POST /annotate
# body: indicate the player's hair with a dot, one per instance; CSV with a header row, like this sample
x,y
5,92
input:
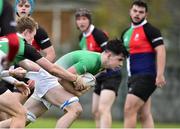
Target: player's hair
x,y
140,3
116,47
24,23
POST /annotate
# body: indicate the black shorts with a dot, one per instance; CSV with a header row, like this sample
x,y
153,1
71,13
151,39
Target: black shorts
x,y
142,86
4,86
110,80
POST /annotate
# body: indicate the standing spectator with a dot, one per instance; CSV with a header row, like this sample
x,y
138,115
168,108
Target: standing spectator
x,y
108,82
145,66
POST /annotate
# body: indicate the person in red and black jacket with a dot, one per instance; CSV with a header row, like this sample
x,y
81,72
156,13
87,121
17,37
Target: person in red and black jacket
x,y
108,81
91,38
41,40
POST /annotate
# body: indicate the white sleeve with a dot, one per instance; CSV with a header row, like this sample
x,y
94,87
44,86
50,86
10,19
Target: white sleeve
x,y
4,73
9,79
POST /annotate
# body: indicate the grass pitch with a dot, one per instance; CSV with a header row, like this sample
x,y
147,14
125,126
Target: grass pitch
x,y
51,122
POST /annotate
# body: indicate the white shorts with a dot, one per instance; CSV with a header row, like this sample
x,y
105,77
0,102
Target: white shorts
x,y
46,103
44,81
2,55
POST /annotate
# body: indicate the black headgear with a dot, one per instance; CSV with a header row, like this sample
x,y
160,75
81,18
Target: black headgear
x,y
83,12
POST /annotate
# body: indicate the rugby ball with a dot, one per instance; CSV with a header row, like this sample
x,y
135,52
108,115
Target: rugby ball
x,y
89,79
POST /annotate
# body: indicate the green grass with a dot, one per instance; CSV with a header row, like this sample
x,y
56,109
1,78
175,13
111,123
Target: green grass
x,y
51,122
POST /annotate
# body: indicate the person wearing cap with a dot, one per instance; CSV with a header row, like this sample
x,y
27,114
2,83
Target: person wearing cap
x,y
108,82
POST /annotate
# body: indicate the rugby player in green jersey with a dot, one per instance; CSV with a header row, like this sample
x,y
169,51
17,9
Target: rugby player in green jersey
x,y
48,92
82,61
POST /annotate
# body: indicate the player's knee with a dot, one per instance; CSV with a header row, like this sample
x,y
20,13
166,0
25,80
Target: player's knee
x,y
144,115
30,117
95,113
72,106
103,109
77,110
128,109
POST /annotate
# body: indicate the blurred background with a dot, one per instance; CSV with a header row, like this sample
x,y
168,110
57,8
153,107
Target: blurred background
x,y
57,17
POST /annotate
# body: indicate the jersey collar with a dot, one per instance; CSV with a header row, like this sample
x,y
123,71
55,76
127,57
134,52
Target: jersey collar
x,y
136,26
20,35
91,28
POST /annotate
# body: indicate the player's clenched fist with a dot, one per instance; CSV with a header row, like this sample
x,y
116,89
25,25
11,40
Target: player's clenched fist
x,y
18,72
79,83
